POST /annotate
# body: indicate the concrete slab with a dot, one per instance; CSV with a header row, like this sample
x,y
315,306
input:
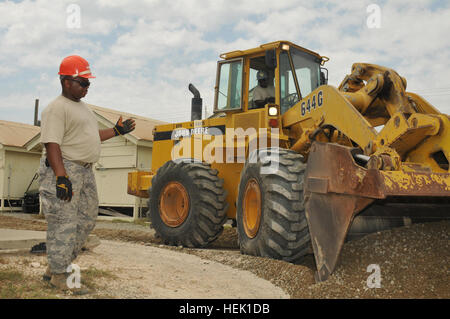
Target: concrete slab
x,y
20,239
14,239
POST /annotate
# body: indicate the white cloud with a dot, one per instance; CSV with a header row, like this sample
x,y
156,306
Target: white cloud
x,y
142,96
148,41
34,35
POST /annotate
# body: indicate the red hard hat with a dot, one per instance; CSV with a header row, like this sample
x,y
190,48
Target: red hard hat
x,y
75,65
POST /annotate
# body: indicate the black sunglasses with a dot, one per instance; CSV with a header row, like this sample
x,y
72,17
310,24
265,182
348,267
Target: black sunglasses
x,y
83,84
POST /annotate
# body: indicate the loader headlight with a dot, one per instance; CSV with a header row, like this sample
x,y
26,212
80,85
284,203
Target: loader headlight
x,y
273,111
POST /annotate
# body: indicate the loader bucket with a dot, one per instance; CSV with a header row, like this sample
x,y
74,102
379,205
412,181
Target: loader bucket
x,y
337,189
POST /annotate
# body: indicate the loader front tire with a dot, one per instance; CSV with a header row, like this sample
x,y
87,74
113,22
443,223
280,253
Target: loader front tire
x,y
187,204
271,218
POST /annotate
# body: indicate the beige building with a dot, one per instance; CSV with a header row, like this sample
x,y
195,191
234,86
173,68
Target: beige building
x,y
119,155
17,164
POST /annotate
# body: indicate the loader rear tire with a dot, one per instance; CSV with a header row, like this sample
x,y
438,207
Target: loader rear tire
x,y
280,229
187,204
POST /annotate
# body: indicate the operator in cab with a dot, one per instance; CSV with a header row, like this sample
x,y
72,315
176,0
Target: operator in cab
x,y
264,92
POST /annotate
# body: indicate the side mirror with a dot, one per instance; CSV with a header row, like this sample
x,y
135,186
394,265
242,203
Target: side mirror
x,y
271,59
323,76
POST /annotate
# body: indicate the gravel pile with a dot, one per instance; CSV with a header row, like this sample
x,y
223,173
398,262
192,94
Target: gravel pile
x,y
413,261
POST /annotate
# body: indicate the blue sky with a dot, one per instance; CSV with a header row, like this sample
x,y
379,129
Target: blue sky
x,y
145,53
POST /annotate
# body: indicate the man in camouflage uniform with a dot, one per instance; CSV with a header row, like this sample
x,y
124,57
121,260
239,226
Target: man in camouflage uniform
x,y
68,192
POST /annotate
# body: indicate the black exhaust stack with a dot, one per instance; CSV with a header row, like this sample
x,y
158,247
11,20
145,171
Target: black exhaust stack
x,y
196,105
36,113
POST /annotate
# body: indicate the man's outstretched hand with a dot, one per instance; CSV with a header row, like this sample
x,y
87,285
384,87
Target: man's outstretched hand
x,y
124,127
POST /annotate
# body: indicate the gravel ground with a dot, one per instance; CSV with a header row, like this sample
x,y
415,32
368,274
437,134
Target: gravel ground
x,y
413,261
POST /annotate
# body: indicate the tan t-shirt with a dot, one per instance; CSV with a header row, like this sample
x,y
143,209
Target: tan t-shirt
x,y
260,93
74,127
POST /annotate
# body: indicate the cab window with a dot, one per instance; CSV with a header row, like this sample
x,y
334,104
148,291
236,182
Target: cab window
x,y
288,92
307,69
229,86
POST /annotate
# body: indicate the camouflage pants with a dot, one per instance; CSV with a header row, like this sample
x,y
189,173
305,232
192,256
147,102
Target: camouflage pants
x,y
68,223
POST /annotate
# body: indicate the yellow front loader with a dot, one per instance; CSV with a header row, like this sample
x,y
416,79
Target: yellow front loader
x,y
314,166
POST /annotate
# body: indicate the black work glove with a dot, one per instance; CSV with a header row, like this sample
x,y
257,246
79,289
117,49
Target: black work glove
x,y
64,188
125,127
259,103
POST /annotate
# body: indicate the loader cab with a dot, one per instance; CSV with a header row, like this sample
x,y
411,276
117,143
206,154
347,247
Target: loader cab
x,y
237,80
293,73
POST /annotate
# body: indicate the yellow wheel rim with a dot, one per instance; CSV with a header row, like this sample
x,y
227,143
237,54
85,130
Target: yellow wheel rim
x,y
252,208
174,204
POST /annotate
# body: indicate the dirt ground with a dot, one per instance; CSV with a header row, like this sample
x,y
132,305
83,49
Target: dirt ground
x,y
413,262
